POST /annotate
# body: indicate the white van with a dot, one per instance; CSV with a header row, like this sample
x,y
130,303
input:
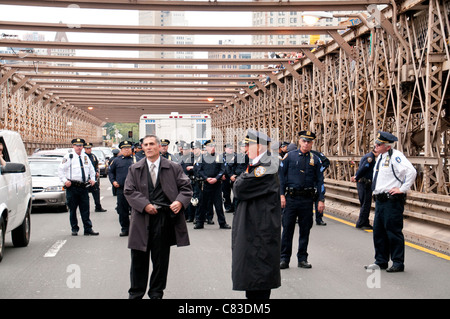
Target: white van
x,y
15,191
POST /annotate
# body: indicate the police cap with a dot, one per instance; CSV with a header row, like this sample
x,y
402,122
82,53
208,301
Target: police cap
x,y
165,142
210,143
307,135
88,145
257,137
284,144
385,138
78,141
125,144
196,144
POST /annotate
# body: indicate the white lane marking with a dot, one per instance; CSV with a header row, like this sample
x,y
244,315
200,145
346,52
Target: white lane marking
x,y
55,248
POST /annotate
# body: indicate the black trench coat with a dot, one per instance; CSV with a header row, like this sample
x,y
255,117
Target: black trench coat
x,y
256,231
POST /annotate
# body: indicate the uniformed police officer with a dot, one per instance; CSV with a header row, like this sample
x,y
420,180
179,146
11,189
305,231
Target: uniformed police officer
x,y
117,174
77,172
229,162
392,178
164,149
138,153
196,181
282,149
211,170
94,190
186,160
301,182
325,164
363,179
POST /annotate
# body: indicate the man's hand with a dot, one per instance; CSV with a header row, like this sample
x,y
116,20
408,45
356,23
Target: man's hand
x,y
150,209
283,201
176,206
115,184
395,190
320,206
211,180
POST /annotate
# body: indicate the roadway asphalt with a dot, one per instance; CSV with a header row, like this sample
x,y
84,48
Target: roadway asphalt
x,y
57,265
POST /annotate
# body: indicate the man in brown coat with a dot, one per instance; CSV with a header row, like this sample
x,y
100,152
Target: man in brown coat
x,y
158,192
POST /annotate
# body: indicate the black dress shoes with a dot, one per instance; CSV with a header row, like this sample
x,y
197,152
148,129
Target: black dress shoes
x,y
304,264
123,234
396,269
284,264
225,226
198,226
90,232
100,210
321,223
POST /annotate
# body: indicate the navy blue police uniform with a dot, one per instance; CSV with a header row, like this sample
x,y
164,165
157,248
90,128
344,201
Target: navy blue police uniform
x,y
118,173
363,178
325,164
186,161
212,166
95,190
229,161
302,183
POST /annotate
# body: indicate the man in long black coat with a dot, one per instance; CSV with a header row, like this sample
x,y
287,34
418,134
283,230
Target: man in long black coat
x,y
256,227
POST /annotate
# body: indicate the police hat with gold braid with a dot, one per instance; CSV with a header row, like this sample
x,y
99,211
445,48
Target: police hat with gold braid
x,y
385,138
78,141
165,142
257,137
307,135
88,145
125,144
210,143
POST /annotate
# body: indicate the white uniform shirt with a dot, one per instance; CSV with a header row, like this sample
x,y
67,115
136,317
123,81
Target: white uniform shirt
x,y
70,168
386,179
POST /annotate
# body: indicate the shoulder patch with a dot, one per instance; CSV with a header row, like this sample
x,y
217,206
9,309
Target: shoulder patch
x,y
369,159
398,159
259,171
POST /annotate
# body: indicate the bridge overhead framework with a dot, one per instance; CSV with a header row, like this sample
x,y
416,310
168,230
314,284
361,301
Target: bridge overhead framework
x,y
390,72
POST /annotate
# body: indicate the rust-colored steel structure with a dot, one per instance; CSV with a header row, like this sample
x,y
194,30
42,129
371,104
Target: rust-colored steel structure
x,y
390,72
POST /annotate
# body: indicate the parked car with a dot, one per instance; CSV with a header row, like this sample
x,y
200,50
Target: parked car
x,y
15,191
48,190
51,153
108,151
102,162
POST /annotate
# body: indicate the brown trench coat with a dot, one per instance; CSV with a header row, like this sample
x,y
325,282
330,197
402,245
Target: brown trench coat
x,y
175,185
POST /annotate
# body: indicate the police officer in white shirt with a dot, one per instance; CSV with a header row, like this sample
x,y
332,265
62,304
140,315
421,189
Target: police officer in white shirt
x,y
74,172
392,178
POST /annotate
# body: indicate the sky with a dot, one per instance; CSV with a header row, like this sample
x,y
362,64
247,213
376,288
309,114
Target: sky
x,y
74,16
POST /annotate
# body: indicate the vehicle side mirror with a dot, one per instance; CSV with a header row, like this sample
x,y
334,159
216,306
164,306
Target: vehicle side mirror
x,y
12,168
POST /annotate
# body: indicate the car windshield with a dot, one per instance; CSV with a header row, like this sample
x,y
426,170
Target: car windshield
x,y
43,168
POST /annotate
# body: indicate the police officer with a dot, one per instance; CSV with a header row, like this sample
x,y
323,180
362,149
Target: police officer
x,y
164,149
94,190
229,162
197,182
77,172
301,182
363,179
186,160
392,178
325,164
117,174
282,150
211,170
138,153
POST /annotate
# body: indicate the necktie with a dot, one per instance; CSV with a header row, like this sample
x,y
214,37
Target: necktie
x,y
374,182
82,170
153,174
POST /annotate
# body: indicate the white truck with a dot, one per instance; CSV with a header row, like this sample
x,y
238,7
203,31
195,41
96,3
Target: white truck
x,y
15,191
176,127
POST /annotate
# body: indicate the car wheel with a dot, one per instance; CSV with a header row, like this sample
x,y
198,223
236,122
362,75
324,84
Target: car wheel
x,y
21,235
2,237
